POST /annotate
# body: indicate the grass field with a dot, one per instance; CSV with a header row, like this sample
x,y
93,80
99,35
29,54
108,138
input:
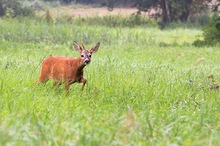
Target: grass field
x,y
145,87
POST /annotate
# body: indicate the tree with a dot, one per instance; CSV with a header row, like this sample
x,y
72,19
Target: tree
x,y
171,10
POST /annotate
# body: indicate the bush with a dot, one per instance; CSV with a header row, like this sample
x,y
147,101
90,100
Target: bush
x,y
14,8
211,33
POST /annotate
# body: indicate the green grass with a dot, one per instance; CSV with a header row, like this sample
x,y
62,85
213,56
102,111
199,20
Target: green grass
x,y
145,87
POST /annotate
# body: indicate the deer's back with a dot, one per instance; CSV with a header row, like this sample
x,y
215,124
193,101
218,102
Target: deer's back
x,y
62,68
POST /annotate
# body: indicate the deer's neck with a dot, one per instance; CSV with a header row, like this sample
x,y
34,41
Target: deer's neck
x,y
80,64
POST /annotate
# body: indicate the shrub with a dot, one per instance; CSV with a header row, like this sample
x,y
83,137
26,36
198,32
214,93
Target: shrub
x,y
14,8
211,33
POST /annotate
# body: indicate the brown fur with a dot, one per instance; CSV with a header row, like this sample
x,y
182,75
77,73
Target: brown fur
x,y
67,70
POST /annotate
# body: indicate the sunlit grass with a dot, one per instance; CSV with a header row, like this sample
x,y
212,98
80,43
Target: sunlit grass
x,y
145,87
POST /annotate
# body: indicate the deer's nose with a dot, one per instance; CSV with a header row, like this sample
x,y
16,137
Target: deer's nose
x,y
87,61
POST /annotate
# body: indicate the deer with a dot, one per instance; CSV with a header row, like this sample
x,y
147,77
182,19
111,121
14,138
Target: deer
x,y
67,70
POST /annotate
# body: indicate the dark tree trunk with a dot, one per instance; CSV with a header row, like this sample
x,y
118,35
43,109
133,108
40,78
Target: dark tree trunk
x,y
186,10
170,11
2,11
165,17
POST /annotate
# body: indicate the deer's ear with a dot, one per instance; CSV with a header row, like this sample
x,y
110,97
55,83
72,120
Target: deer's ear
x,y
95,49
77,47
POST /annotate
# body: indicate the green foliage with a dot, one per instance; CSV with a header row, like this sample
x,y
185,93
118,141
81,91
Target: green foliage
x,y
211,33
62,31
14,8
114,21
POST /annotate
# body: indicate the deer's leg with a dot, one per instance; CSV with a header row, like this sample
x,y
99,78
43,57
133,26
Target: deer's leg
x,y
68,83
82,80
71,82
43,75
67,86
56,84
41,80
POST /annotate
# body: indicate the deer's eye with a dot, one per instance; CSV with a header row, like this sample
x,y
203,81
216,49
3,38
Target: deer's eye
x,y
89,56
82,55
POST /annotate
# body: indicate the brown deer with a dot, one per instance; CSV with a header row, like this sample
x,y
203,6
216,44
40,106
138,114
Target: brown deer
x,y
67,70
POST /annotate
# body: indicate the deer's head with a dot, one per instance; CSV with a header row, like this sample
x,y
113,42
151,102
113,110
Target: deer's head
x,y
86,54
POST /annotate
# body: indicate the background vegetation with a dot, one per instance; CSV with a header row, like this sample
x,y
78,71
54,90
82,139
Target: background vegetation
x,y
146,85
165,12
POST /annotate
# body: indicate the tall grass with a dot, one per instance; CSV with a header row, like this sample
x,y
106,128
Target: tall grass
x,y
145,87
37,31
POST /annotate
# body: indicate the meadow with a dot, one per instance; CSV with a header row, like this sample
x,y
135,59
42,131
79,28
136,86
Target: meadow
x,y
145,86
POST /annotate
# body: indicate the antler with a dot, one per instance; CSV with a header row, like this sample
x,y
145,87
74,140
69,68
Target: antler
x,y
83,46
